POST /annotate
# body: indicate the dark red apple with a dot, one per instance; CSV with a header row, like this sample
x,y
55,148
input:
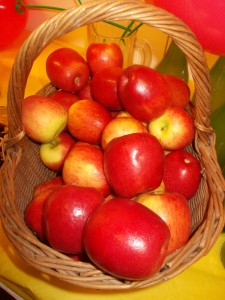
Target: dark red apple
x,y
143,92
85,92
65,214
103,55
65,98
180,91
104,87
126,239
67,69
34,212
134,164
83,166
173,208
182,173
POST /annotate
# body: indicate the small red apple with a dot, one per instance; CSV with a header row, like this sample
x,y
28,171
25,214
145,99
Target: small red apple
x,y
64,98
34,211
134,164
182,173
53,153
83,166
86,120
173,208
126,239
49,184
174,128
67,69
120,126
103,55
180,91
104,87
85,92
43,118
65,214
143,92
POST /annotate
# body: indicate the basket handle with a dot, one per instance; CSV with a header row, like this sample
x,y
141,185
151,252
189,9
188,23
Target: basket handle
x,y
95,11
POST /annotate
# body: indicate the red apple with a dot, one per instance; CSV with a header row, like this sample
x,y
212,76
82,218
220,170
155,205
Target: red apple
x,y
53,153
175,211
43,118
182,173
67,69
134,164
79,257
180,91
174,128
125,239
86,120
143,92
65,98
34,211
104,87
120,126
49,184
85,92
65,214
103,55
83,166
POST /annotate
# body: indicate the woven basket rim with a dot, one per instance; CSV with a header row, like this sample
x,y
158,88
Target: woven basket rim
x,y
50,261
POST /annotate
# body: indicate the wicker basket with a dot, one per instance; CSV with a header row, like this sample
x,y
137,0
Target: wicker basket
x,y
22,168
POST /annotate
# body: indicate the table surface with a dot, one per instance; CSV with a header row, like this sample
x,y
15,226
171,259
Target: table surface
x,y
203,280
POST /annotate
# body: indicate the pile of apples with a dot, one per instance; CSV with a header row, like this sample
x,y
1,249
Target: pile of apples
x,y
116,138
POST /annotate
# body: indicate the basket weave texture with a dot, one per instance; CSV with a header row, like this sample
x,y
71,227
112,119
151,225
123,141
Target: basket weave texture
x,y
22,168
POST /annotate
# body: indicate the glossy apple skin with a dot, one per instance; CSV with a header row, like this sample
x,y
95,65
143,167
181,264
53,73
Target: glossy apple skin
x,y
134,164
87,119
174,128
65,214
83,166
180,91
53,154
67,69
143,92
182,173
46,185
120,126
121,238
43,118
104,87
103,55
65,98
173,208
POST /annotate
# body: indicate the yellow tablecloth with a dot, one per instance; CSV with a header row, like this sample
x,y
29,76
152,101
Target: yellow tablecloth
x,y
203,280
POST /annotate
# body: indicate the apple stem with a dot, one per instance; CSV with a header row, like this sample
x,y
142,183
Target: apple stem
x,y
19,4
187,161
